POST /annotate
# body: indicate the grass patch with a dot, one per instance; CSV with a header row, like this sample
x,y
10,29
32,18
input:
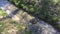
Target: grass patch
x,y
9,25
3,13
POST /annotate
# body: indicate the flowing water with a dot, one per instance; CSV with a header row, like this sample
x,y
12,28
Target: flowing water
x,y
42,26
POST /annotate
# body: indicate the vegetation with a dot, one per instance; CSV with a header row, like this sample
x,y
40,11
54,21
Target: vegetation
x,y
9,26
45,9
48,10
3,13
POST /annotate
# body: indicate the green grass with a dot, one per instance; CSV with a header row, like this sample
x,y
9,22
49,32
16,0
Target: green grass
x,y
3,13
6,25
